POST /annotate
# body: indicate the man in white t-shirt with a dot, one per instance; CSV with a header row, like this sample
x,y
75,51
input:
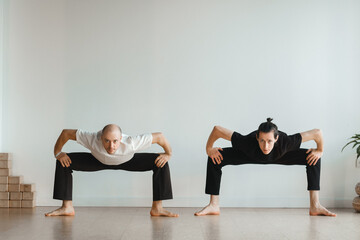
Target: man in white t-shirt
x,y
111,149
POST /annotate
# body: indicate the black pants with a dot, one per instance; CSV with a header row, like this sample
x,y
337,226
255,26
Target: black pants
x,y
232,157
86,162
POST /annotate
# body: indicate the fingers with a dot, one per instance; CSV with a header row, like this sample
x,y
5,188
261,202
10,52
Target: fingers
x,y
215,155
219,154
62,163
310,155
160,161
157,161
312,159
314,163
65,161
216,158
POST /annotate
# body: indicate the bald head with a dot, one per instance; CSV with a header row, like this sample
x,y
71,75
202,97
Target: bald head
x,y
111,128
111,137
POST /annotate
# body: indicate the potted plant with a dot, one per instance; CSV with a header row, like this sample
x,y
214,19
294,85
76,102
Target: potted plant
x,y
356,141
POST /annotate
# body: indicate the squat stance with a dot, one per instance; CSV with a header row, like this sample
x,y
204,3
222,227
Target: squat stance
x,y
267,145
110,149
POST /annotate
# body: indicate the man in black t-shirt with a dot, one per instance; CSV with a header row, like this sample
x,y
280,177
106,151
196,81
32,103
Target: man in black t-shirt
x,y
267,145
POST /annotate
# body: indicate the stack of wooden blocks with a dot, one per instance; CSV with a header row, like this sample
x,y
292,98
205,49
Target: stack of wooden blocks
x,y
13,193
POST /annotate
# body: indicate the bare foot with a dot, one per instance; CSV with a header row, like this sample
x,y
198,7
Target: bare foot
x,y
321,211
63,211
208,210
162,213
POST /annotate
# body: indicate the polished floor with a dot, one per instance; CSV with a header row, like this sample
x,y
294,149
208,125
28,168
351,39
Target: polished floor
x,y
135,223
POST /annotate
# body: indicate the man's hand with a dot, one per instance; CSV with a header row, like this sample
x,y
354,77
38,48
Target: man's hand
x,y
314,156
214,154
64,159
162,159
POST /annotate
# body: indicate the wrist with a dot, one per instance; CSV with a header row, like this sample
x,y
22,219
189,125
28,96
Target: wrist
x,y
58,154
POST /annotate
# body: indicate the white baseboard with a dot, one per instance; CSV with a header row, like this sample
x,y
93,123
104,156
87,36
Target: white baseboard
x,y
200,202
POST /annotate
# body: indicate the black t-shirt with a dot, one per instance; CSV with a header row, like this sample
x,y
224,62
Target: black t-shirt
x,y
249,145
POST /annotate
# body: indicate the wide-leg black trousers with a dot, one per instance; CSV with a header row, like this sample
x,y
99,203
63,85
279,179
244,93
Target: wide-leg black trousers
x,y
86,162
233,157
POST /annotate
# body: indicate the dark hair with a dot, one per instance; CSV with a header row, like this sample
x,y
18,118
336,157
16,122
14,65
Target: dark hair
x,y
268,126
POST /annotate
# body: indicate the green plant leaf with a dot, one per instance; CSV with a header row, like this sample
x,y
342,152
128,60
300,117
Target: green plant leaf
x,y
348,144
355,144
356,136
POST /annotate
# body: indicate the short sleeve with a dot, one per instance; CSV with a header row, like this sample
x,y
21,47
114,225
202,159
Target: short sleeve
x,y
292,142
85,138
141,142
237,141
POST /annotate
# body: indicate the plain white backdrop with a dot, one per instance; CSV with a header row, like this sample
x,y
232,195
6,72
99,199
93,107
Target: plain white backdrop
x,y
181,67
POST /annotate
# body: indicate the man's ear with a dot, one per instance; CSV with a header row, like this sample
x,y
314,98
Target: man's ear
x,y
277,137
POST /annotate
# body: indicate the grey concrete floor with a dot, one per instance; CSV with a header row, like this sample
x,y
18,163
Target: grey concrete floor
x,y
136,223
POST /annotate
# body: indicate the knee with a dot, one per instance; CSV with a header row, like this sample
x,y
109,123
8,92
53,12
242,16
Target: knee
x,y
163,168
60,167
212,165
58,164
210,162
318,163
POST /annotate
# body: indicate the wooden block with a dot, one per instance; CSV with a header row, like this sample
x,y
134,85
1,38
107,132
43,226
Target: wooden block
x,y
4,179
14,188
4,195
27,187
15,203
5,164
16,195
28,203
5,171
4,203
28,195
16,179
5,156
4,187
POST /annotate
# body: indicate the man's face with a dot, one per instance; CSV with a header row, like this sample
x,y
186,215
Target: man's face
x,y
111,141
266,141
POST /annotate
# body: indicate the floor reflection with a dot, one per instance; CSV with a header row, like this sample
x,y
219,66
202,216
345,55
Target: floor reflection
x,y
211,225
159,227
62,229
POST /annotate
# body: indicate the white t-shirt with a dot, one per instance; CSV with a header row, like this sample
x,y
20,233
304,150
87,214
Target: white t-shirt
x,y
128,146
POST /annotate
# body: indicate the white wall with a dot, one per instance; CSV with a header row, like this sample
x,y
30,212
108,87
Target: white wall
x,y
2,56
181,67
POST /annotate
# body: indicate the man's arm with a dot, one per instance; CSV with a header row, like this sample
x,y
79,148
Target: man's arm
x,y
216,133
66,135
314,154
163,158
